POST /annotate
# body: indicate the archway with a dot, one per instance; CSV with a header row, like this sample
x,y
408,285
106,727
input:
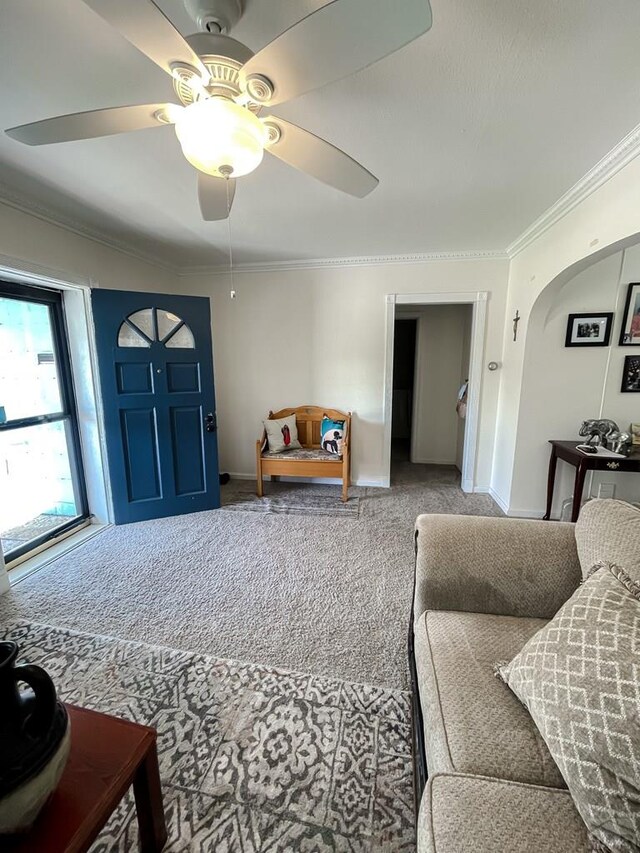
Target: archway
x,y
562,386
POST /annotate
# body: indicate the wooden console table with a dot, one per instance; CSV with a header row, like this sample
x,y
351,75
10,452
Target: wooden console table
x,y
583,462
107,756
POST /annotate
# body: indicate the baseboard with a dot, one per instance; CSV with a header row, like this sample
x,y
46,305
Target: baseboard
x,y
323,481
489,490
506,509
434,462
525,513
35,562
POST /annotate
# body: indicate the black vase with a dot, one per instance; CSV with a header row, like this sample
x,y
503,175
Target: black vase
x,y
34,740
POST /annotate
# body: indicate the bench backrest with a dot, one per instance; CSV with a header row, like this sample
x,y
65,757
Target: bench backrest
x,y
309,421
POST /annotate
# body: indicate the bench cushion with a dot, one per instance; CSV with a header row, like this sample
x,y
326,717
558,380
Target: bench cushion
x,y
306,454
472,722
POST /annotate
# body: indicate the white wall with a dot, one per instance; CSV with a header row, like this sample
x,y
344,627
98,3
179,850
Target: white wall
x,y
318,336
604,222
38,242
439,365
562,386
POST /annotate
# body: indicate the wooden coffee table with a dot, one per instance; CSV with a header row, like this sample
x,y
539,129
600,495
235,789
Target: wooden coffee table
x,y
107,756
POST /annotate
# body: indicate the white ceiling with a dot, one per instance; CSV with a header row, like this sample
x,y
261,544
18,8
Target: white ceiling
x,y
474,130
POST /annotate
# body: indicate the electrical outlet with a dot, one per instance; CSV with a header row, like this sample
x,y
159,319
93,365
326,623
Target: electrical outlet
x,y
606,490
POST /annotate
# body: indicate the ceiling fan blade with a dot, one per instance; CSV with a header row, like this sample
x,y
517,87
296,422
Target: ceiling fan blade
x,y
212,195
335,41
319,158
143,24
92,124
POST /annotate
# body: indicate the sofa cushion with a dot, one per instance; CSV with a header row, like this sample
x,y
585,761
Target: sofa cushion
x,y
579,677
471,814
471,723
609,531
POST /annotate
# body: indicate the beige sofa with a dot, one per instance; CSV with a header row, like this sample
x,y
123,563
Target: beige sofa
x,y
483,587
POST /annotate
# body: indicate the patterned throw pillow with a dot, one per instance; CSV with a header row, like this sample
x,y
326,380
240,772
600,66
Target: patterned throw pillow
x,y
332,435
579,677
282,434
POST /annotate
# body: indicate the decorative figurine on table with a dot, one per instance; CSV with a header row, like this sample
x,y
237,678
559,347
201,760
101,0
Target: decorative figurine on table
x,y
620,442
598,432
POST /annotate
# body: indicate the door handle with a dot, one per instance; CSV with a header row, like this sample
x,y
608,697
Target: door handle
x,y
210,422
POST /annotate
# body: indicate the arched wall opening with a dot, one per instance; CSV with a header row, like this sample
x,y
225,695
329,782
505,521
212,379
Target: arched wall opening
x,y
562,386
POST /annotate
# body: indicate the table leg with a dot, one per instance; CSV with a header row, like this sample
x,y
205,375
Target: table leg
x,y
578,488
148,795
551,480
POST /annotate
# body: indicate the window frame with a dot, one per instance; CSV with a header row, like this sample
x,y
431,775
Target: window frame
x,y
67,415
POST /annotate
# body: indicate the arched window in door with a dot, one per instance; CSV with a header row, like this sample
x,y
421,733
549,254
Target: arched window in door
x,y
148,325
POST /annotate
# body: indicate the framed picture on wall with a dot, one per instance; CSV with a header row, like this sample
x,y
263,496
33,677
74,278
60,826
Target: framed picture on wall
x,y
630,331
631,374
589,330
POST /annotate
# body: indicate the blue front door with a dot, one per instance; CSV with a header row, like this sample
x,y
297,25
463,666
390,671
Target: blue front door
x,y
156,375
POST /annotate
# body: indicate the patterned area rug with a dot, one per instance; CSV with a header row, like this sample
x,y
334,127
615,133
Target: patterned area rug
x,y
252,758
297,503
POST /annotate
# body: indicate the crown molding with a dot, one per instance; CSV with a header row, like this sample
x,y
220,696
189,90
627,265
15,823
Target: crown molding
x,y
619,156
11,198
337,263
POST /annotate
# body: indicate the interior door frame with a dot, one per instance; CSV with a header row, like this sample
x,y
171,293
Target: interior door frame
x,y
478,301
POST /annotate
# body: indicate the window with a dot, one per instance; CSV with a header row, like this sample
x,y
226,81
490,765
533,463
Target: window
x,y
154,325
42,489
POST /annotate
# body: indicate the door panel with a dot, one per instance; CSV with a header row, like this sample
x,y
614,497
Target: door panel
x,y
140,447
186,433
182,378
156,376
134,378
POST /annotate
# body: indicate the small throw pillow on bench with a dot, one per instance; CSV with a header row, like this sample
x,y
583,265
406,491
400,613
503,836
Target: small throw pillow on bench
x,y
332,435
579,677
282,434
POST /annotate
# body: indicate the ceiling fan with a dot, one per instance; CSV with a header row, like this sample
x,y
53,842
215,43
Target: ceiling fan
x,y
223,87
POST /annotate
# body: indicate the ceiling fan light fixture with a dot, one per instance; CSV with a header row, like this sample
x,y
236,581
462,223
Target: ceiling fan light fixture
x,y
218,135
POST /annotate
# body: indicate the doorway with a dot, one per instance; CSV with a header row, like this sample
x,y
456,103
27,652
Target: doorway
x,y
42,487
431,361
404,368
446,334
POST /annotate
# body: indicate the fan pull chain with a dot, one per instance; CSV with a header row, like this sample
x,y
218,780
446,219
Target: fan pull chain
x,y
232,289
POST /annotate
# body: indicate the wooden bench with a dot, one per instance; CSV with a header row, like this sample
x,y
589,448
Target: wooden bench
x,y
312,461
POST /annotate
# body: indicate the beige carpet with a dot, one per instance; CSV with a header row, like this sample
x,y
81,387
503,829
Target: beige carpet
x,y
320,594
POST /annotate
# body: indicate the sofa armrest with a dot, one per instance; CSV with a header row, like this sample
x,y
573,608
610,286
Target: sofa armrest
x,y
505,566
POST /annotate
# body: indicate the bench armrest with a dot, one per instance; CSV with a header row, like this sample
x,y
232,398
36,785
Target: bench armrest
x,y
505,566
